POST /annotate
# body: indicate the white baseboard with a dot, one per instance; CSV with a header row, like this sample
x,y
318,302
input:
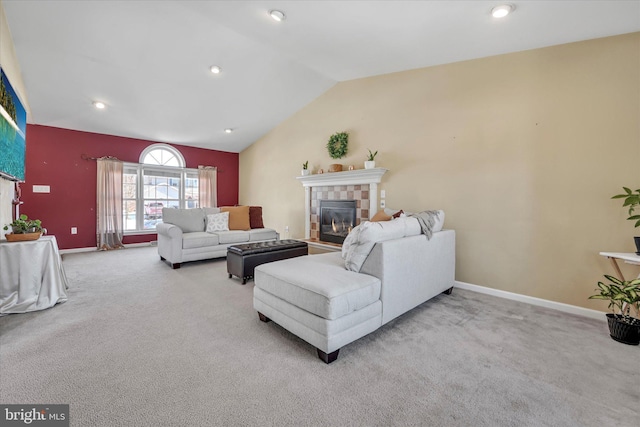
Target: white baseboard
x,y
92,249
567,308
76,250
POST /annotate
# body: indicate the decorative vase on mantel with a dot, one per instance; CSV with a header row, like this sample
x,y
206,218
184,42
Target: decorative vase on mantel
x,y
305,172
370,164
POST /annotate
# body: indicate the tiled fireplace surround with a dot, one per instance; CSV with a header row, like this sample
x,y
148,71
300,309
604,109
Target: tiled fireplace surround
x,y
359,193
359,185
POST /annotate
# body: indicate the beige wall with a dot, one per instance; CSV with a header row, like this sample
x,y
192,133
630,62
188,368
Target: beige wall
x,y
523,151
9,64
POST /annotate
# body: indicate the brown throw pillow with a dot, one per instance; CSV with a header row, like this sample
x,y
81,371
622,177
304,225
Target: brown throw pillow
x,y
255,217
397,214
380,216
238,217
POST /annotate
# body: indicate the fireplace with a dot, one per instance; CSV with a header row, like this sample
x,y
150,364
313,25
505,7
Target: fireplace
x,y
337,218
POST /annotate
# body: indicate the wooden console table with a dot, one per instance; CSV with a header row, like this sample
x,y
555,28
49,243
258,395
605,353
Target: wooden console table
x,y
31,276
628,258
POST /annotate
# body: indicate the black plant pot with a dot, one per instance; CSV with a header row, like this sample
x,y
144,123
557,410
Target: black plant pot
x,y
637,240
627,333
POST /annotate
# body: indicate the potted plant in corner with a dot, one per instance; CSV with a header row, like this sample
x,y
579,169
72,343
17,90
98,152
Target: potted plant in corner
x,y
631,199
23,229
305,168
370,163
623,296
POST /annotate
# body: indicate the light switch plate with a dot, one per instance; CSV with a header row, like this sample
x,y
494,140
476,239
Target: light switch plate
x,y
383,194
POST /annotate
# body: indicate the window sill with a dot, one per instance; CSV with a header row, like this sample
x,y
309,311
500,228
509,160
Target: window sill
x,y
139,232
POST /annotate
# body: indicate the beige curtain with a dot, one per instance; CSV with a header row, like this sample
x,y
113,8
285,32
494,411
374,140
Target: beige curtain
x,y
207,186
109,204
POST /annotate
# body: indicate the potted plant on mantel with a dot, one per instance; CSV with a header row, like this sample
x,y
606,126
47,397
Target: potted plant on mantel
x,y
370,163
305,168
24,229
623,296
631,199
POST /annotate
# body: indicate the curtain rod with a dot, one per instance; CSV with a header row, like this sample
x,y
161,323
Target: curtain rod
x,y
85,157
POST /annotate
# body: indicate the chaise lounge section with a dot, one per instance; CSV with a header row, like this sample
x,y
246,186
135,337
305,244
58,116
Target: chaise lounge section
x,y
331,300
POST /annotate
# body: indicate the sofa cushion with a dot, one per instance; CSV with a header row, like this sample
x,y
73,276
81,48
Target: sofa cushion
x,y
189,220
255,217
318,284
218,222
209,211
258,234
199,239
232,236
238,217
358,244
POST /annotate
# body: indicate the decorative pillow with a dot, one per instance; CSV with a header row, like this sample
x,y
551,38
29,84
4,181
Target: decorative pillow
x,y
255,217
380,216
359,243
394,213
439,222
218,222
238,217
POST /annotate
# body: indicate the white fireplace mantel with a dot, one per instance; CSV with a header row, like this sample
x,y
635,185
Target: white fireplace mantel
x,y
372,177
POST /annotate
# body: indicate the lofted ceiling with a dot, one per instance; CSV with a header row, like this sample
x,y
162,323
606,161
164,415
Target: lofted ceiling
x,y
149,61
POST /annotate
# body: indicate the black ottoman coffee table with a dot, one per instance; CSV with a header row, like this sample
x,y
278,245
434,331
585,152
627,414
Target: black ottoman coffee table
x,y
243,259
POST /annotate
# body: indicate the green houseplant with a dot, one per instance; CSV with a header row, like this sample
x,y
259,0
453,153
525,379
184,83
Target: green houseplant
x,y
624,299
632,200
370,163
305,168
23,228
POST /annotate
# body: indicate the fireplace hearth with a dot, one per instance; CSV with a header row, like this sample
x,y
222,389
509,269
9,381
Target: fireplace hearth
x,y
337,219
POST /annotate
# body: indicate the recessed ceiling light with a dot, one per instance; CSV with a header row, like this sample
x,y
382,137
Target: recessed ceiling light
x,y
277,15
99,105
228,130
215,69
502,10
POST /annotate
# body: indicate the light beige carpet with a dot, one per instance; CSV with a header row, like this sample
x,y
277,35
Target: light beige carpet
x,y
140,344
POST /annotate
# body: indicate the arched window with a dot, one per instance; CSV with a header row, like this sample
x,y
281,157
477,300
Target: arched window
x,y
162,155
159,181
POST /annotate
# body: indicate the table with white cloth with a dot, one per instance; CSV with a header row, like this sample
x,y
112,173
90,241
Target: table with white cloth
x,y
31,275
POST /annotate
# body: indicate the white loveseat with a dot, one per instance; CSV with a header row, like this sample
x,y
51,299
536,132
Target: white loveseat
x,y
182,236
392,269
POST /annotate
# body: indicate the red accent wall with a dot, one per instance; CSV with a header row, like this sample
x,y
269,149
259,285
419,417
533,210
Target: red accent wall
x,y
54,159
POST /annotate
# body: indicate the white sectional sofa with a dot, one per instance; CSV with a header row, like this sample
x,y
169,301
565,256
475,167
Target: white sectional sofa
x,y
331,300
182,236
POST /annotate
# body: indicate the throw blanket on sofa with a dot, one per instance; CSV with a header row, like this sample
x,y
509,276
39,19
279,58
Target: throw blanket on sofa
x,y
426,219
